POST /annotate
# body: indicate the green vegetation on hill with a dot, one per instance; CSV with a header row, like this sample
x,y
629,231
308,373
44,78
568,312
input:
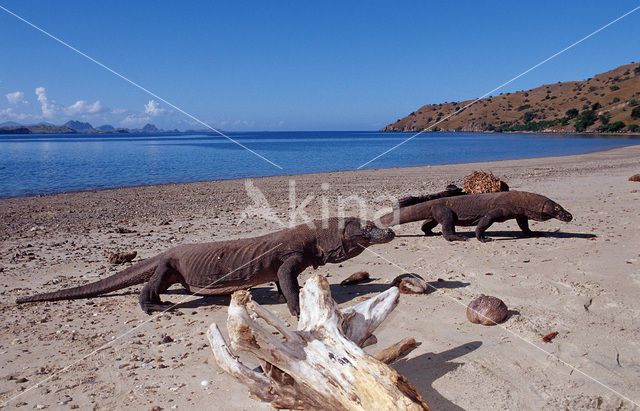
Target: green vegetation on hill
x,y
608,102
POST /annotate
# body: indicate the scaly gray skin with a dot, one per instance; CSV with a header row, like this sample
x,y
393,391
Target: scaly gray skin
x,y
478,209
227,266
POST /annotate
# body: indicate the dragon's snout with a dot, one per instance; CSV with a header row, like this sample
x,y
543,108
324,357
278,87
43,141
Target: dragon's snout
x,y
381,235
564,216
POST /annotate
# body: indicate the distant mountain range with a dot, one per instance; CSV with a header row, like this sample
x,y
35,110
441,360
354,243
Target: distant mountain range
x,y
608,102
73,127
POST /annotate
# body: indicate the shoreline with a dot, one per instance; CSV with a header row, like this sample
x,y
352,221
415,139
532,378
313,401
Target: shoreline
x,y
579,279
40,195
550,132
210,133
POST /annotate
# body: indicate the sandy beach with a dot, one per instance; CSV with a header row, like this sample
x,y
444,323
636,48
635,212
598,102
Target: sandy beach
x,y
579,279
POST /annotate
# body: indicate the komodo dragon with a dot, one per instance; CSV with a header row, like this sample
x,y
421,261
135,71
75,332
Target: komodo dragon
x,y
226,266
481,209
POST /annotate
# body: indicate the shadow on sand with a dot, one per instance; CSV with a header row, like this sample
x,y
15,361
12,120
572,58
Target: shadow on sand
x,y
424,369
261,295
268,295
513,235
433,285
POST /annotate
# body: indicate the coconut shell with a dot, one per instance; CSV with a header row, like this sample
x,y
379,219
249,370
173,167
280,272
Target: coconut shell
x,y
410,283
355,278
487,310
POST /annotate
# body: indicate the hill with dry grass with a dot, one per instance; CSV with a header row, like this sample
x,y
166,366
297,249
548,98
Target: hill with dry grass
x,y
608,102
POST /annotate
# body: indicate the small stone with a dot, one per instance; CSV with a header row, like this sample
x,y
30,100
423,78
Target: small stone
x,y
121,258
547,338
166,339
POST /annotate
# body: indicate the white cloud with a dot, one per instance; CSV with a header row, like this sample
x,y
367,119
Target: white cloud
x,y
152,108
54,112
16,97
244,123
9,114
135,119
81,107
48,108
139,118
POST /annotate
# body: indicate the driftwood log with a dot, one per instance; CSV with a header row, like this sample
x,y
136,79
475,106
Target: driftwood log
x,y
321,365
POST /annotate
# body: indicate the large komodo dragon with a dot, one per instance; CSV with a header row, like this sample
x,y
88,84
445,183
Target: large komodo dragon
x,y
226,266
478,209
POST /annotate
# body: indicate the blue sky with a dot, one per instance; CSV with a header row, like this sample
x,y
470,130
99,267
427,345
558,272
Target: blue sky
x,y
276,65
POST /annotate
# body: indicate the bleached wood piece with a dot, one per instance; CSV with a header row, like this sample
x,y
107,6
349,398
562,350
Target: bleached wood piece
x,y
390,354
321,365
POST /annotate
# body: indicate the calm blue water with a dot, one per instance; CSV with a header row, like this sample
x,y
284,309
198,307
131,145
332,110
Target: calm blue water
x,y
44,164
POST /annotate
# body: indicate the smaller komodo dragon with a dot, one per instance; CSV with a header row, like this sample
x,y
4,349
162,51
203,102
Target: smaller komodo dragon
x,y
227,266
478,209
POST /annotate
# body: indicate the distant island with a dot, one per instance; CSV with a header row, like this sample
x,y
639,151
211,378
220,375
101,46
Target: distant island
x,y
607,103
74,127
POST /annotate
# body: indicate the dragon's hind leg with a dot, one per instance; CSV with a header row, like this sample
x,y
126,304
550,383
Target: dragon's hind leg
x,y
429,225
496,215
447,219
163,278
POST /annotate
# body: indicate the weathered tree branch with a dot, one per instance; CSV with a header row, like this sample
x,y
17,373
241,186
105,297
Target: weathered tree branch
x,y
321,365
390,354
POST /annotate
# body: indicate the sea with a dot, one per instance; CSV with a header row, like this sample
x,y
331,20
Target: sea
x,y
47,164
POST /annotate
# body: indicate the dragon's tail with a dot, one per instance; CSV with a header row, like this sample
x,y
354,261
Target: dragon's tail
x,y
451,191
136,274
